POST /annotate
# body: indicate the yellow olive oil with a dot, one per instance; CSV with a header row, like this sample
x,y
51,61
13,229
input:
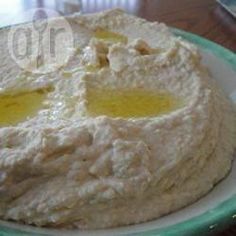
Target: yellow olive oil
x,y
110,36
134,103
19,107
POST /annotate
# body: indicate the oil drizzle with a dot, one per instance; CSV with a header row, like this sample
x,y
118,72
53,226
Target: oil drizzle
x,y
133,103
19,107
110,36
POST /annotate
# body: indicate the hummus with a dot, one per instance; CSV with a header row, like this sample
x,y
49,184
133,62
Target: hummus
x,y
131,128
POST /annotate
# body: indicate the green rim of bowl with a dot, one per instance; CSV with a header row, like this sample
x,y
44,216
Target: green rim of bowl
x,y
225,54
213,219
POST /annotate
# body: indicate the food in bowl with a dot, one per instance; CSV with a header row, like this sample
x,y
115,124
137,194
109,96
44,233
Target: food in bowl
x,y
133,127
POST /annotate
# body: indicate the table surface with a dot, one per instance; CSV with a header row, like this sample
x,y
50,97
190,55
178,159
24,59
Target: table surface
x,y
202,17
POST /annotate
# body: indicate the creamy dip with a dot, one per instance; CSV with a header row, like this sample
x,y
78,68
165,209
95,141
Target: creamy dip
x,y
131,128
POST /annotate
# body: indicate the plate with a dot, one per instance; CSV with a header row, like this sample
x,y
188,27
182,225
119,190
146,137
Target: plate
x,y
212,212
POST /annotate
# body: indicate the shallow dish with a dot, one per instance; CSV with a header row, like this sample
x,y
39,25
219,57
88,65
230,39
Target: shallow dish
x,y
212,212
